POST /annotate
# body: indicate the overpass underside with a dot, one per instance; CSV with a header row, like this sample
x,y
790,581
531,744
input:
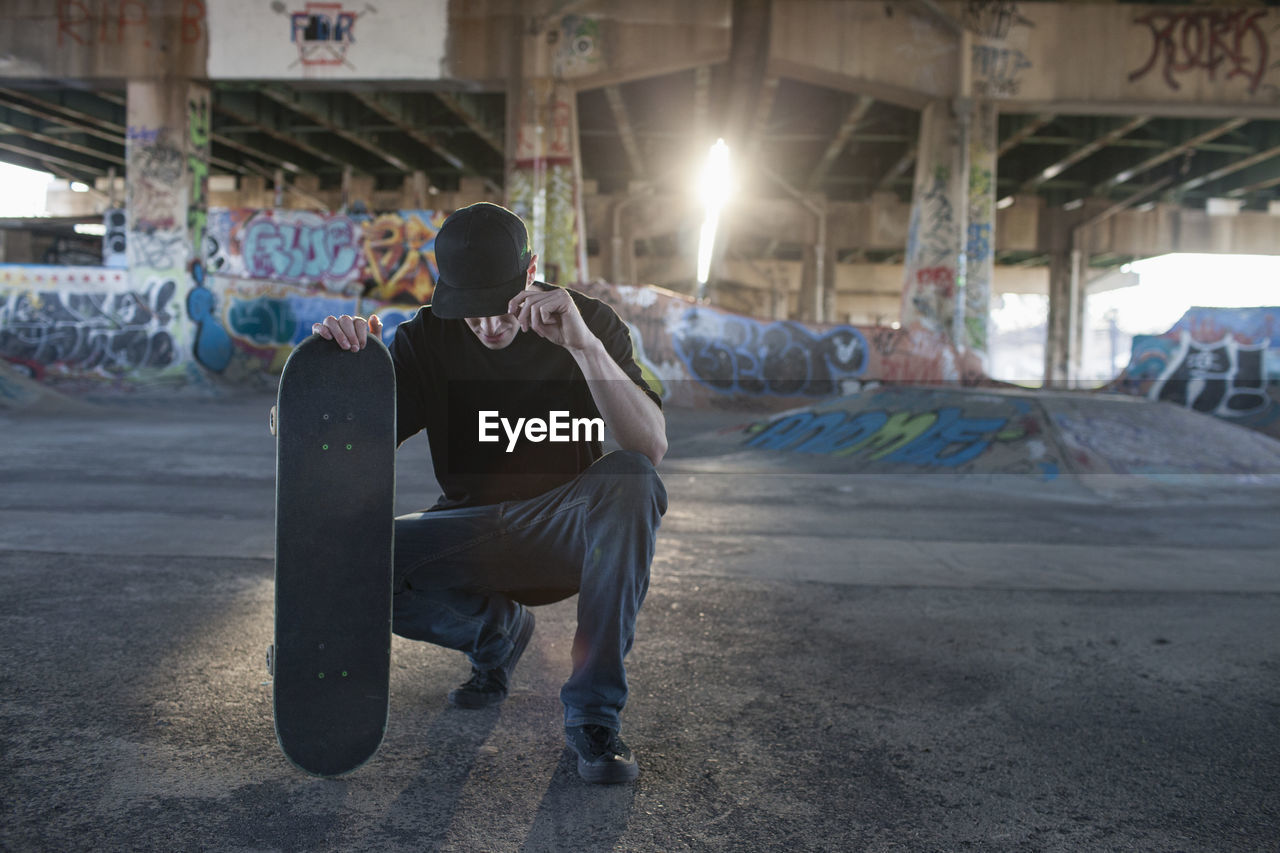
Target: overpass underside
x,y
896,163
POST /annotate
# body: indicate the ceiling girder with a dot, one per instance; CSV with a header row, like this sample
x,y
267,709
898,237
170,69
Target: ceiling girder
x,y
1053,170
841,140
1126,175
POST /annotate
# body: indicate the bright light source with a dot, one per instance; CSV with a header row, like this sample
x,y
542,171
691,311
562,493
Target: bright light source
x,y
1074,204
77,187
1007,201
93,229
714,189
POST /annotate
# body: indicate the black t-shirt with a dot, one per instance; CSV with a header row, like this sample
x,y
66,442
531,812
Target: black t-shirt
x,y
446,378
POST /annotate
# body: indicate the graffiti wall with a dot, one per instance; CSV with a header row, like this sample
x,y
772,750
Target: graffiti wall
x,y
71,322
1221,361
699,355
386,256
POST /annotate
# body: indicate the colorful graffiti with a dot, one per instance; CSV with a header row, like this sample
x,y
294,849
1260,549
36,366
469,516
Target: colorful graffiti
x,y
740,355
940,438
1220,361
323,33
386,256
400,253
1231,42
302,247
109,329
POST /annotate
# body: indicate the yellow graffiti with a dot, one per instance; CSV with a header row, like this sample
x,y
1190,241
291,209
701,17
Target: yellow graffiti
x,y
900,430
401,254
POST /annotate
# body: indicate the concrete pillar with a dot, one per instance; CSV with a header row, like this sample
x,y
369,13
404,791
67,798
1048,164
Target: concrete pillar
x,y
980,242
1062,350
935,265
544,166
166,203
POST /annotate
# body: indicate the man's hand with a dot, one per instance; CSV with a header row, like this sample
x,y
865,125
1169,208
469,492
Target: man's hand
x,y
552,314
350,333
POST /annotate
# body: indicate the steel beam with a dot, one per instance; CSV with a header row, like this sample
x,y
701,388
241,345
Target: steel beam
x,y
1024,133
1053,170
622,119
393,109
840,141
315,109
465,108
1194,142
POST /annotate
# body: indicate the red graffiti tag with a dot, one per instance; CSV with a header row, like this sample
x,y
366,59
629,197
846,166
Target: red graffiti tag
x,y
942,278
1211,40
84,22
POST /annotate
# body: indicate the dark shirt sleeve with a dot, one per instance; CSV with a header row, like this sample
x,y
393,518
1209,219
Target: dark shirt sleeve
x,y
616,337
410,406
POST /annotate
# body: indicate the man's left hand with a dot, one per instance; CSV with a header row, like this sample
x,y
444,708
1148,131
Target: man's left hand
x,y
552,314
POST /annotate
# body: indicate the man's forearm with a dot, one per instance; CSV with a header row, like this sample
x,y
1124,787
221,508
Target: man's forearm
x,y
636,421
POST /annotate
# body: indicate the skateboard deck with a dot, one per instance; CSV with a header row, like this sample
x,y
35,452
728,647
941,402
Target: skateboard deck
x,y
334,423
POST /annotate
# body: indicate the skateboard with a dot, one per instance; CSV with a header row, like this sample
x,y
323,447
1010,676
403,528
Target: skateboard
x,y
335,428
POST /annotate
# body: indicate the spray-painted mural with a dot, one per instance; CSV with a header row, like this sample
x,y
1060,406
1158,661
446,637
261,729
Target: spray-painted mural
x,y
386,256
698,355
1220,361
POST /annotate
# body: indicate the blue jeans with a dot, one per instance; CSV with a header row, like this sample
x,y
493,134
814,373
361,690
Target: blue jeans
x,y
461,573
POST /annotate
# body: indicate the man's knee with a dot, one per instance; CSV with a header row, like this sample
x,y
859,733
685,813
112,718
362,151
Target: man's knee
x,y
632,473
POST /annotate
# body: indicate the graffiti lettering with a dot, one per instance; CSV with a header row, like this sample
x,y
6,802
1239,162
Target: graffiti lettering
x,y
305,247
1230,40
323,33
1224,378
736,354
400,250
83,22
942,438
993,18
998,70
114,333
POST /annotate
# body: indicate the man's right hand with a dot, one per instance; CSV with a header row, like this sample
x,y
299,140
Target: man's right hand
x,y
350,333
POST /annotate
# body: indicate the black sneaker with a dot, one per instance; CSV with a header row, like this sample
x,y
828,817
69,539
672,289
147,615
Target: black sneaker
x,y
602,756
488,687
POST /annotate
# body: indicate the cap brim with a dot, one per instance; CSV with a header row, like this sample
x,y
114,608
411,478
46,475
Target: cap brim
x,y
458,303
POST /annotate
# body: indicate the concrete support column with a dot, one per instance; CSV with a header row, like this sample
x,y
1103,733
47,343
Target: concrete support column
x,y
544,166
980,242
1062,351
935,265
166,204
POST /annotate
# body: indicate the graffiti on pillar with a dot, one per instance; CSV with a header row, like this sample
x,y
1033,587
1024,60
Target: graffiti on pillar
x,y
1219,43
577,46
739,355
212,346
100,330
322,32
998,71
993,18
123,22
156,171
400,255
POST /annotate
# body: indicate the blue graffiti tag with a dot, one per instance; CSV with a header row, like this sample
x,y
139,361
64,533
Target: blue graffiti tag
x,y
740,355
942,438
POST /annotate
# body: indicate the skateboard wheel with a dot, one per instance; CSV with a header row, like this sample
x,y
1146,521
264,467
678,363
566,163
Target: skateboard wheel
x,y
271,420
271,660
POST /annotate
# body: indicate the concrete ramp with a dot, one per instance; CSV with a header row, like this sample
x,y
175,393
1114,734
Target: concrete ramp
x,y
1072,445
21,393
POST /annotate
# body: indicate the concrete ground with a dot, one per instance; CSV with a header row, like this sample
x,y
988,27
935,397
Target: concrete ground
x,y
825,662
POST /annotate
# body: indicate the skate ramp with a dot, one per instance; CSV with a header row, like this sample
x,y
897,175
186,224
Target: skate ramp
x,y
1071,445
20,393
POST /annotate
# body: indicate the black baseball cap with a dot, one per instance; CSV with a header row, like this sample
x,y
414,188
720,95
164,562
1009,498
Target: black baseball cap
x,y
482,253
